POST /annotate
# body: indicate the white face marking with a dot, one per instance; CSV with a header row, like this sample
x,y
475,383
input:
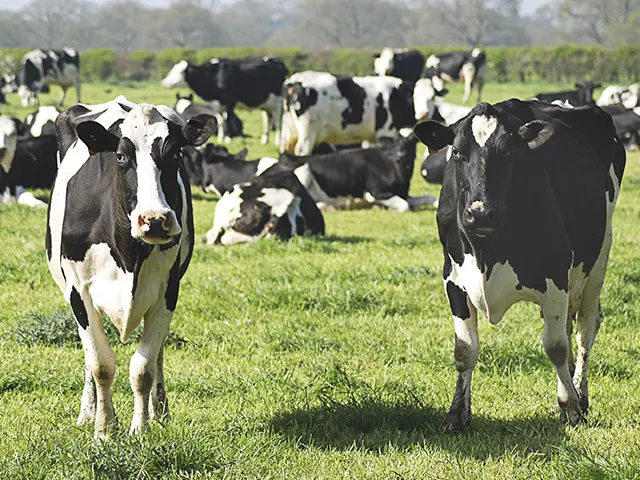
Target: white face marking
x,y
432,61
423,96
482,128
383,64
175,77
143,125
477,205
182,104
475,52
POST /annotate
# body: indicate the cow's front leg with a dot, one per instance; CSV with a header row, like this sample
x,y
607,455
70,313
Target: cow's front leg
x,y
556,346
159,407
266,126
62,97
465,318
143,366
88,404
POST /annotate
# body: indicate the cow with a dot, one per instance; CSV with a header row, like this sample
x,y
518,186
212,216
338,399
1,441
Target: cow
x,y
401,63
119,238
274,204
629,96
434,164
186,109
464,66
252,82
41,122
378,175
628,127
425,96
9,130
525,215
583,95
321,107
45,67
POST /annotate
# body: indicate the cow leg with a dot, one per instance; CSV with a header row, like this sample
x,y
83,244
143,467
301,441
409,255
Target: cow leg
x,y
556,346
306,142
467,73
394,202
143,366
77,87
100,363
277,121
266,126
465,319
479,83
64,94
159,407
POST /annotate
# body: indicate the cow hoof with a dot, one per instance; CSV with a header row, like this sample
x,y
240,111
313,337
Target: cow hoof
x,y
455,424
584,405
572,417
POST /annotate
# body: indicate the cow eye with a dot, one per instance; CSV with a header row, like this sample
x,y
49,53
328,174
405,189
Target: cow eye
x,y
121,159
456,155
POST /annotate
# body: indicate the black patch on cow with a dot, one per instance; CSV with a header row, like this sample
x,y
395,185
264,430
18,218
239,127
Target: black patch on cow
x,y
156,152
457,301
303,98
355,95
401,106
79,311
173,286
381,112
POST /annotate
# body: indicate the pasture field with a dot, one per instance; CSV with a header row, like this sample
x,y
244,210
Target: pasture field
x,y
317,358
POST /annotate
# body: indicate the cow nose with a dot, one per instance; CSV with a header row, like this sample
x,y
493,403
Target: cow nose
x,y
155,224
481,219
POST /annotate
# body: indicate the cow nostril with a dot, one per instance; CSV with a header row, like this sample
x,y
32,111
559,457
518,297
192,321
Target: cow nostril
x,y
167,222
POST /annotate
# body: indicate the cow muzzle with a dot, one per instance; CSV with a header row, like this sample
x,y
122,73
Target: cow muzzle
x,y
156,227
481,220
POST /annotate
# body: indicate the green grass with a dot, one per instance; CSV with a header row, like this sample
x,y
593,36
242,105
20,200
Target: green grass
x,y
317,358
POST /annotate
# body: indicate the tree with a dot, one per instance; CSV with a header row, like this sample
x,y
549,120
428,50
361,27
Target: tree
x,y
185,25
587,20
121,23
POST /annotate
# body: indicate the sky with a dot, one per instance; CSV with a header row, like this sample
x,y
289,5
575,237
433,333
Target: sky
x,y
528,6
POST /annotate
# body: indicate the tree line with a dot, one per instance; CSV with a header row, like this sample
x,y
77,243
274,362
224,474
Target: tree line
x,y
315,25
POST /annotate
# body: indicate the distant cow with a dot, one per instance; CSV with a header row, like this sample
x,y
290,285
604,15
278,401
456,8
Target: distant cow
x,y
525,215
119,239
41,122
629,96
425,96
628,127
400,63
252,82
583,95
378,175
321,107
274,204
467,67
186,109
48,67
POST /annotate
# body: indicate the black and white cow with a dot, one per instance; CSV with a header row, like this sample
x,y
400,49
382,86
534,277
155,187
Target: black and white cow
x,y
467,67
252,82
629,96
525,215
186,109
401,63
274,204
119,239
41,122
48,67
582,95
371,176
321,107
628,127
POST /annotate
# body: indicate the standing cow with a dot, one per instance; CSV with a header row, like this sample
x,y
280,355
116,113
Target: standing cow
x,y
525,215
321,107
119,239
401,63
467,67
48,67
252,82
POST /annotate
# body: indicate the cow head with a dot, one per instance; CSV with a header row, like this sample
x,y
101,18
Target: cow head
x,y
9,83
176,76
146,152
383,64
27,95
8,141
486,146
586,89
425,95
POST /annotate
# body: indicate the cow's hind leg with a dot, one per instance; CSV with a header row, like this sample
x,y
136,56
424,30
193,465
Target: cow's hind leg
x,y
465,318
556,345
143,366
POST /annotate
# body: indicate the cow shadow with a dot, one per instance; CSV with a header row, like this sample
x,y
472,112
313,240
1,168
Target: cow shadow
x,y
349,239
376,426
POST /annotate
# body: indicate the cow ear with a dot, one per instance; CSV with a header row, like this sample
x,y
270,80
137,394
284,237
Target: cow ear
x,y
198,129
242,153
434,135
96,137
536,133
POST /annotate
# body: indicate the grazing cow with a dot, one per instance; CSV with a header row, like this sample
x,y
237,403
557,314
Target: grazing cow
x,y
119,239
467,67
378,175
41,122
399,63
628,127
252,82
321,107
525,215
434,164
583,95
186,109
45,67
628,96
274,204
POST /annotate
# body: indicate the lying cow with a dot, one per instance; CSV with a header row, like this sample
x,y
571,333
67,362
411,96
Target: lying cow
x,y
41,122
274,204
376,176
400,63
525,215
252,82
119,239
629,96
48,67
583,95
467,67
321,107
186,109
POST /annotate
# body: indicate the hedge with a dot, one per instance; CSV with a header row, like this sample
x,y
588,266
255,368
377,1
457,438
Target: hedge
x,y
563,63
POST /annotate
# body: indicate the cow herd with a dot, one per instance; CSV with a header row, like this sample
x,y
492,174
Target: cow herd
x,y
524,214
